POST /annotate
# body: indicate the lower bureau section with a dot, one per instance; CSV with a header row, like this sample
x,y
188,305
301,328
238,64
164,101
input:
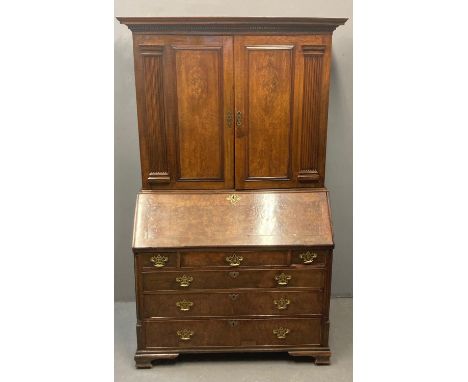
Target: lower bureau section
x,y
185,334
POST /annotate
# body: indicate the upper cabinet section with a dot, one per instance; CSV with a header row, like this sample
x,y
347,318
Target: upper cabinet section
x,y
232,102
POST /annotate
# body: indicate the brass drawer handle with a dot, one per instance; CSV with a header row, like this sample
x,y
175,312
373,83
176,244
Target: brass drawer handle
x,y
282,279
159,261
184,281
308,257
184,305
281,332
234,260
282,303
233,296
185,334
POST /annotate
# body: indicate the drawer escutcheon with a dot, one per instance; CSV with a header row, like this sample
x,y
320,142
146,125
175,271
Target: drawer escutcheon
x,y
233,274
308,257
185,334
184,281
159,261
281,332
233,198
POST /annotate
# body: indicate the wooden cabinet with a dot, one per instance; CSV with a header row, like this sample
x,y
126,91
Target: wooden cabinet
x,y
223,104
235,109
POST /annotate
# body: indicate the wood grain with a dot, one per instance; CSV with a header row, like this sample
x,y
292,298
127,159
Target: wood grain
x,y
241,278
222,332
209,219
269,73
183,97
281,83
200,112
233,303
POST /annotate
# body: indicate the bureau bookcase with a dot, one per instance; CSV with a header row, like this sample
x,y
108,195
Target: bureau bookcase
x,y
232,238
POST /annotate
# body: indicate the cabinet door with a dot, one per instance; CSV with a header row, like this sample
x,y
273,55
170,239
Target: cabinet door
x,y
281,91
184,94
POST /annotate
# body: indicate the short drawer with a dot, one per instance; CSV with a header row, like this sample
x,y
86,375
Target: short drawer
x,y
309,257
158,260
234,303
241,278
239,332
233,259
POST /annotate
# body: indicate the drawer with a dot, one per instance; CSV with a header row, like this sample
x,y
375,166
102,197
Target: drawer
x,y
241,278
158,260
234,303
224,332
234,259
310,257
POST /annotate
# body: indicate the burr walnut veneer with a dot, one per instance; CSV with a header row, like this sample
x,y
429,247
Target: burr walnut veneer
x,y
232,236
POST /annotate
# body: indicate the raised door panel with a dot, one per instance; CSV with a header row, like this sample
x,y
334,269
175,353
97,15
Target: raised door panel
x,y
185,92
281,136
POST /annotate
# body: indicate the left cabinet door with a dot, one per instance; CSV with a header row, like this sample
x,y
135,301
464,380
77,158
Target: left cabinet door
x,y
185,101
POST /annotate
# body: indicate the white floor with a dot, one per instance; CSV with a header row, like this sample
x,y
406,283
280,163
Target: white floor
x,y
259,367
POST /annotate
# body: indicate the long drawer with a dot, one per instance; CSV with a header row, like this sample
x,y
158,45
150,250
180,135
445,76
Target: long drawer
x,y
240,278
241,332
233,258
235,303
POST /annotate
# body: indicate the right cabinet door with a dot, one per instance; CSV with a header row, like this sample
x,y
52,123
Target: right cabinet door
x,y
281,105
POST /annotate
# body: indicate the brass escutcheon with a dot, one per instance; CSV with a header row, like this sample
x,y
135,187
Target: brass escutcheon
x,y
185,334
282,303
234,260
233,198
282,279
184,281
239,119
233,296
184,305
281,332
308,257
233,274
233,323
158,260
